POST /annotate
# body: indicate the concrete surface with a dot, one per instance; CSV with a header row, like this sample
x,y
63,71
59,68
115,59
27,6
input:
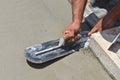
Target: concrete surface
x,y
27,22
100,43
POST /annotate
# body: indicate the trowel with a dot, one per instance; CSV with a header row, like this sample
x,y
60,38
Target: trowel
x,y
50,50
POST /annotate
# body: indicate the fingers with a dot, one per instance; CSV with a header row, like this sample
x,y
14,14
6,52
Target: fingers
x,y
97,28
94,30
77,37
73,39
68,34
71,34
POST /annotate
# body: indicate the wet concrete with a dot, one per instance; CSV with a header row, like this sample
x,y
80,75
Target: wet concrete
x,y
27,22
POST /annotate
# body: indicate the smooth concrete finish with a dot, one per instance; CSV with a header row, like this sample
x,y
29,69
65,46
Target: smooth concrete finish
x,y
27,22
100,43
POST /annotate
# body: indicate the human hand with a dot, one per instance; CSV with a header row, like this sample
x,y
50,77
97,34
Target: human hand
x,y
102,24
72,33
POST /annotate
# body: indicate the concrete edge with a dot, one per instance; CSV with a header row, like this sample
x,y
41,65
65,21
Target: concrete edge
x,y
109,64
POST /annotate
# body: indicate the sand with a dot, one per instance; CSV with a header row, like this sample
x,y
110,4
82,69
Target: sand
x,y
27,22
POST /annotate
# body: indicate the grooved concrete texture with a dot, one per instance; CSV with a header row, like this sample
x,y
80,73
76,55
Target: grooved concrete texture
x,y
27,22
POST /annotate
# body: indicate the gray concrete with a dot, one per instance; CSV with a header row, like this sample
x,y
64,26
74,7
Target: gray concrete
x,y
27,22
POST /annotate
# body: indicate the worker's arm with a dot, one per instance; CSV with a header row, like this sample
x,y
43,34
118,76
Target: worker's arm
x,y
108,21
115,12
78,7
72,31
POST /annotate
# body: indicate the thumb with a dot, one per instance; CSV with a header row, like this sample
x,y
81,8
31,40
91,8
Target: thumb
x,y
68,35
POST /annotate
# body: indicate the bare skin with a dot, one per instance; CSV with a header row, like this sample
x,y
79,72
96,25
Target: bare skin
x,y
108,21
78,6
73,30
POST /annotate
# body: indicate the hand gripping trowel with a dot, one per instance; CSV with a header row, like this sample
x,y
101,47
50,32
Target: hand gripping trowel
x,y
57,48
50,50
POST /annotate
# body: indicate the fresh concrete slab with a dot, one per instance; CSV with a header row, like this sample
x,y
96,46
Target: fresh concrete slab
x,y
27,22
100,43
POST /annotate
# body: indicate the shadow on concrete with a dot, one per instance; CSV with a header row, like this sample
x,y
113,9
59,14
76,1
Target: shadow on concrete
x,y
45,64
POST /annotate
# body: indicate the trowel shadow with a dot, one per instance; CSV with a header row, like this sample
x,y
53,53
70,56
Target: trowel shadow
x,y
45,64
